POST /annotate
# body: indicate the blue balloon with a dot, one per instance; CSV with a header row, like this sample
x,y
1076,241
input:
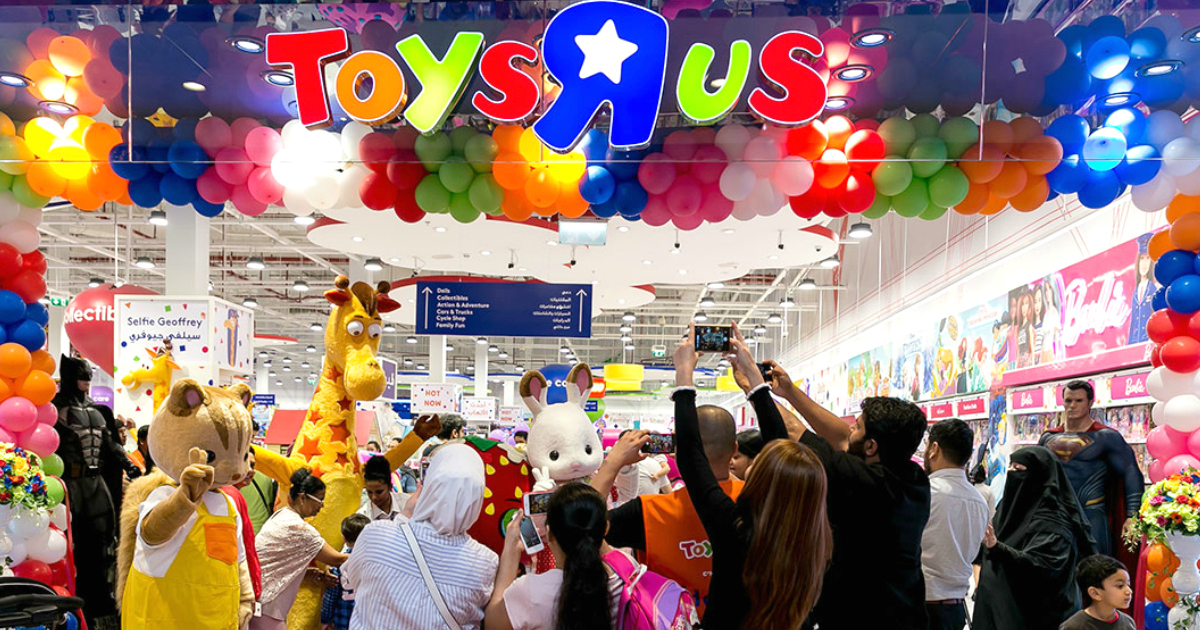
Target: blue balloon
x,y
1174,264
631,198
1071,131
623,164
1130,122
1156,616
606,210
1183,294
1072,37
1162,90
1104,149
138,131
556,381
12,308
1068,84
1159,301
597,185
145,192
159,154
594,145
1101,189
188,159
129,165
1101,27
177,190
71,622
1108,57
1140,165
28,334
1069,177
185,129
1147,43
206,209
36,312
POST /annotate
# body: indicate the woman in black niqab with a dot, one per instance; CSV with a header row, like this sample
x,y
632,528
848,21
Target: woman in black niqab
x,y
1027,579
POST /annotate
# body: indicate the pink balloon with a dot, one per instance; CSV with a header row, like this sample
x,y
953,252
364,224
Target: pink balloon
x,y
1180,463
656,173
212,188
246,203
688,222
680,146
1156,471
262,144
704,135
42,439
241,129
213,134
656,213
18,414
47,414
263,187
708,163
762,154
234,166
685,196
793,176
715,207
1192,442
1164,443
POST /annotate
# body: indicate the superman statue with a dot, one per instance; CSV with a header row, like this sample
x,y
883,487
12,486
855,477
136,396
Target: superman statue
x,y
1101,467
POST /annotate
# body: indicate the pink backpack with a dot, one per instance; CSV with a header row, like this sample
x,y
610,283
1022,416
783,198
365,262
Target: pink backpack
x,y
650,601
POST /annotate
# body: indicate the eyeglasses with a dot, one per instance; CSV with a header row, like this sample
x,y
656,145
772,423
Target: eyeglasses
x,y
320,502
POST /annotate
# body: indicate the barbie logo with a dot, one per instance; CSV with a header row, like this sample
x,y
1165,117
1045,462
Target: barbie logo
x,y
1110,309
1135,387
1131,386
1026,399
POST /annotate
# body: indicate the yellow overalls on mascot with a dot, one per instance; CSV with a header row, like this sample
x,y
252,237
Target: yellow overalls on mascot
x,y
182,563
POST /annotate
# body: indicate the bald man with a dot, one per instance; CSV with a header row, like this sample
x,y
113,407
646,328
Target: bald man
x,y
664,528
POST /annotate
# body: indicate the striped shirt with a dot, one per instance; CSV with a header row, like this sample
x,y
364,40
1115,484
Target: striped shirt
x,y
390,593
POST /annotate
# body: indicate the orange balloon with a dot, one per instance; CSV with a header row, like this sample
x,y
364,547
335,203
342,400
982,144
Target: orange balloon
x,y
1159,244
839,129
81,195
510,170
542,190
48,83
1154,586
570,204
37,386
1040,154
99,139
15,360
998,134
82,97
1181,205
994,205
44,180
832,169
39,42
977,197
105,183
1157,558
1185,232
1025,129
1010,181
6,389
125,200
515,206
507,137
69,55
981,165
1033,196
42,360
76,125
1167,590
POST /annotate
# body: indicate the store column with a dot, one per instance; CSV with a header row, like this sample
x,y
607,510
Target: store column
x,y
481,369
262,378
187,252
437,358
510,394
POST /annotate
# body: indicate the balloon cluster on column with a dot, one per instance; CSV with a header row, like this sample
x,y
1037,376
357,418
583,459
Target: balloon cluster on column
x,y
69,160
611,182
33,517
536,180
460,180
844,156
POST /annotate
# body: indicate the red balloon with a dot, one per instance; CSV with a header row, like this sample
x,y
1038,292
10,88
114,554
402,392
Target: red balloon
x,y
59,571
809,141
407,208
10,261
376,149
35,570
865,150
34,261
405,171
811,203
1164,325
89,321
1156,356
376,192
1192,329
30,285
1181,354
856,194
831,170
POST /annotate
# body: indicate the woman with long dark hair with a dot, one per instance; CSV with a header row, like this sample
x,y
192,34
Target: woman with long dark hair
x,y
772,546
583,594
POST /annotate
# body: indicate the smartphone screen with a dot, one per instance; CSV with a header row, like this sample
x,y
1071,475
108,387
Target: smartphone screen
x,y
765,369
660,443
529,536
424,467
537,502
712,338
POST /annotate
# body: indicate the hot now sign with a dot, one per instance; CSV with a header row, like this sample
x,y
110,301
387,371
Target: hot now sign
x,y
602,53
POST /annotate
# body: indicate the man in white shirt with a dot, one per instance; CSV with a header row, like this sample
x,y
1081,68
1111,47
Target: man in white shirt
x,y
648,476
958,517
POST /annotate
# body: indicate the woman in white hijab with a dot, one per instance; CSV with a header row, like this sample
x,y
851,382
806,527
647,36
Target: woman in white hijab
x,y
389,580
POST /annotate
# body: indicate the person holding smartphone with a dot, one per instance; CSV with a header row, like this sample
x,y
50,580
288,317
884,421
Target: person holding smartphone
x,y
772,546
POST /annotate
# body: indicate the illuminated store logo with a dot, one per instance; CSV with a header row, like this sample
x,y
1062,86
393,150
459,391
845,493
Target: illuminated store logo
x,y
601,52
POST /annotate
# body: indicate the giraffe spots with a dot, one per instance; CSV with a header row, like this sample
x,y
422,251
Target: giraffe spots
x,y
504,461
490,510
518,493
524,470
490,470
487,493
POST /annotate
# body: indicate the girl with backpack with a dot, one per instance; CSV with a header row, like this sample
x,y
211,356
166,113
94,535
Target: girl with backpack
x,y
590,591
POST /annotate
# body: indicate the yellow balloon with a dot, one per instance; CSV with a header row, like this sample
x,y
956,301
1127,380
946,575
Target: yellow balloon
x,y
530,147
75,127
567,168
40,133
7,128
69,159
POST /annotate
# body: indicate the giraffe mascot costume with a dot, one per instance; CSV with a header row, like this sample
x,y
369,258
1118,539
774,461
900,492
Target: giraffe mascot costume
x,y
326,441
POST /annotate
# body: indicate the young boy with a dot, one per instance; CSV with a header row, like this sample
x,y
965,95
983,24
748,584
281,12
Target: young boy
x,y
338,604
1105,585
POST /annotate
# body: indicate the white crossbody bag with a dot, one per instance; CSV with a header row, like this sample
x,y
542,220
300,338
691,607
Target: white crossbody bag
x,y
429,584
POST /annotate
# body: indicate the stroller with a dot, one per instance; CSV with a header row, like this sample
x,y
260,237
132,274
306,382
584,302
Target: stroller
x,y
26,603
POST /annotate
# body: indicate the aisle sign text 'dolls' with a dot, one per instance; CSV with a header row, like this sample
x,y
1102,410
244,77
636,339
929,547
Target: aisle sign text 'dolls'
x,y
601,53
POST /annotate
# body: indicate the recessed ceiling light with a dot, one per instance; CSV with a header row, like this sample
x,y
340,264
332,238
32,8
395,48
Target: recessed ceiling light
x,y
393,260
493,349
408,362
485,253
573,361
439,229
683,272
787,302
278,78
256,263
144,262
356,239
503,355
470,368
250,302
263,354
315,327
707,302
95,282
854,73
564,350
158,217
373,264
623,228
716,285
838,103
774,318
420,366
647,262
272,373
193,86
279,383
12,79
1119,99
297,379
304,220
410,339
808,284
1159,68
700,317
267,364
873,37
300,286
305,364
570,355
59,107
728,231
481,341
860,231
831,262
449,348
388,328
287,360
552,243
247,44
310,349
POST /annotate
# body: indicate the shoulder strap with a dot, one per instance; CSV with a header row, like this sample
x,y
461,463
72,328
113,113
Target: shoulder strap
x,y
429,584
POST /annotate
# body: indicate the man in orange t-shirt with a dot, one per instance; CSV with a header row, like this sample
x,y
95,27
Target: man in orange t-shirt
x,y
664,528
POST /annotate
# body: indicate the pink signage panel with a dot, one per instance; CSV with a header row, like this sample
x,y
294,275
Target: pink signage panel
x,y
940,410
1129,386
972,406
1029,399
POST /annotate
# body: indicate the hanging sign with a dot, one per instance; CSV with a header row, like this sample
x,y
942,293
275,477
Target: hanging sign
x,y
434,398
1128,386
939,411
505,309
972,407
479,408
265,400
1028,399
389,375
511,416
602,53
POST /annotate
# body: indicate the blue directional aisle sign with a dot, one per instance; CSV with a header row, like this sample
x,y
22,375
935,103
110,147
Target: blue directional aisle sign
x,y
505,309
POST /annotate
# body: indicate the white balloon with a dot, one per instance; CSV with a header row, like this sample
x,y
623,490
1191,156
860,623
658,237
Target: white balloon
x,y
293,133
1181,156
349,183
1163,384
28,524
323,149
6,572
1155,194
1156,414
1177,617
762,197
1188,185
1182,413
32,216
1162,127
9,208
6,545
20,235
58,516
793,176
763,154
18,553
737,181
744,210
50,547
322,192
296,203
6,514
352,134
732,140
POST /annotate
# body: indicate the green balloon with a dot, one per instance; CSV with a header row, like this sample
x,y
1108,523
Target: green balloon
x,y
948,187
486,194
461,208
25,195
431,195
6,181
898,135
433,149
459,138
926,125
599,412
878,208
52,465
55,493
959,134
913,201
928,156
933,212
480,151
456,174
892,177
